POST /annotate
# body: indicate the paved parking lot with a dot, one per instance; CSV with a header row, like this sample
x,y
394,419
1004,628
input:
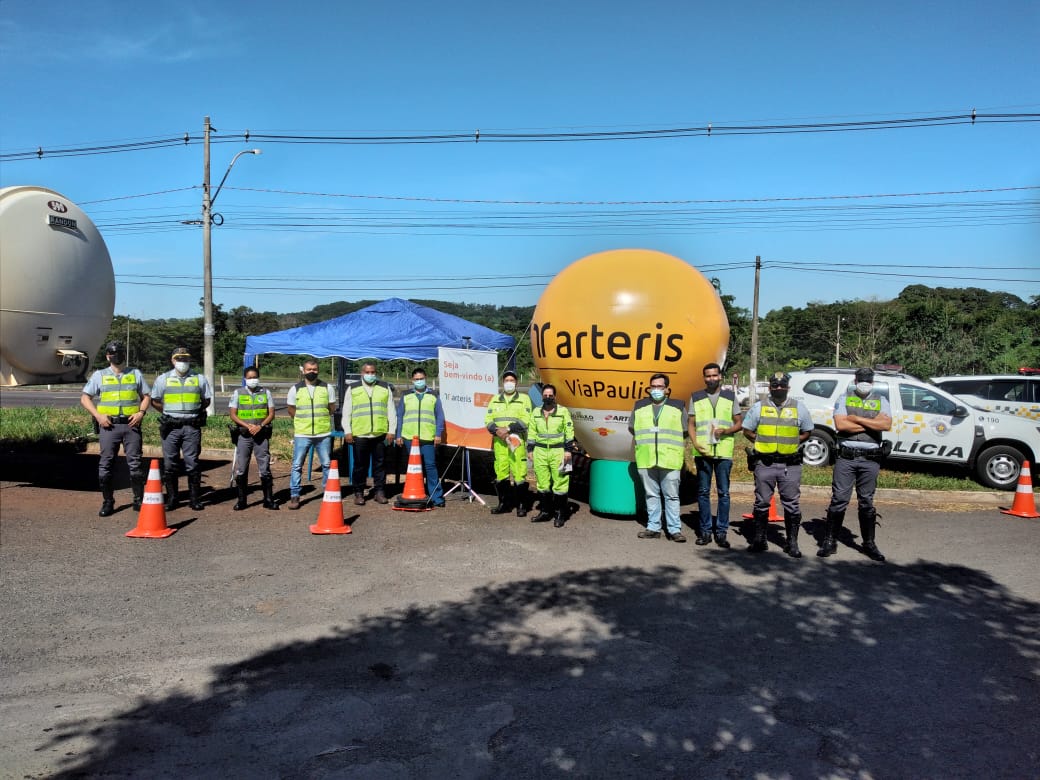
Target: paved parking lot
x,y
459,644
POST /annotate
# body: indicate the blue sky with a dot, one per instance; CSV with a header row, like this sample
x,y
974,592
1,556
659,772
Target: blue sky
x,y
94,73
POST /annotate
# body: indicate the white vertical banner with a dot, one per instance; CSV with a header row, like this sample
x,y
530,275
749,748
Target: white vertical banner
x,y
468,381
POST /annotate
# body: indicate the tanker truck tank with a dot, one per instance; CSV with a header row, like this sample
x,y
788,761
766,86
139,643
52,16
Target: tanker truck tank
x,y
57,288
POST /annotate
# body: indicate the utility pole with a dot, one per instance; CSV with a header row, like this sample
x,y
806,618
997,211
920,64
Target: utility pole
x,y
207,261
753,371
837,343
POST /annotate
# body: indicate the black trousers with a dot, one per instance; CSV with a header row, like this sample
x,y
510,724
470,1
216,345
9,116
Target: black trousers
x,y
369,451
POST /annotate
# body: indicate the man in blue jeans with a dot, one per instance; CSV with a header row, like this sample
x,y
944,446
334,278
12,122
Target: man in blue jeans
x,y
311,404
658,427
714,420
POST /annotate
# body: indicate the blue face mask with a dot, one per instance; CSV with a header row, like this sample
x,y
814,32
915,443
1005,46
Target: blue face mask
x,y
657,394
370,379
419,384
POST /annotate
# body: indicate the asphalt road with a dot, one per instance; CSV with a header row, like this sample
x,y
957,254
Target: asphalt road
x,y
460,644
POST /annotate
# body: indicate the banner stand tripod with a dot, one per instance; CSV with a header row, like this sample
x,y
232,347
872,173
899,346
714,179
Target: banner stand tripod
x,y
465,481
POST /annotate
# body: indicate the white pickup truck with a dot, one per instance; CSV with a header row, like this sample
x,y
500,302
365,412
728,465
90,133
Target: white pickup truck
x,y
928,425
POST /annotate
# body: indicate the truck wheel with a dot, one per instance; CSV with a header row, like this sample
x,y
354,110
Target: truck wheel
x,y
998,467
818,449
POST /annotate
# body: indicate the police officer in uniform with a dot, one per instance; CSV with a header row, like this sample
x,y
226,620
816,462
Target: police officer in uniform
x,y
122,400
859,418
508,414
551,440
776,427
419,413
182,396
252,411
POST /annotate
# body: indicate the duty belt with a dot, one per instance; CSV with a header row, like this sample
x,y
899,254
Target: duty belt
x,y
768,459
119,419
549,446
852,453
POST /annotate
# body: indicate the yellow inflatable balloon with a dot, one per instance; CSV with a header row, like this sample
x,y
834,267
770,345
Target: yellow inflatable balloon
x,y
609,321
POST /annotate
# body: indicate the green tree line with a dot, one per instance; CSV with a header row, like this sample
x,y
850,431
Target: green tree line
x,y
928,331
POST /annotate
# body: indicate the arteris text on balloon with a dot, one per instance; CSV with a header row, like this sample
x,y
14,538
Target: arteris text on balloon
x,y
597,344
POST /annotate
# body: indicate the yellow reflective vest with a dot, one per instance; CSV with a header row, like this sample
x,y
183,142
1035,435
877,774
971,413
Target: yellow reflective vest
x,y
659,442
119,395
778,429
312,416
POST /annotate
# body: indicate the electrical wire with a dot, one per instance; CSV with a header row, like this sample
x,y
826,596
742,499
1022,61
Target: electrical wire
x,y
477,136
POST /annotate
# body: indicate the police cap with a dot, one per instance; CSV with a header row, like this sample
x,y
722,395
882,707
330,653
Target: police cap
x,y
115,348
182,352
510,373
780,379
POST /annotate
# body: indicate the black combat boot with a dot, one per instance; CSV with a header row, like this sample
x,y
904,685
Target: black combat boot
x,y
108,499
560,515
267,484
137,486
545,508
170,481
241,482
505,497
194,491
867,524
832,530
791,525
760,523
520,495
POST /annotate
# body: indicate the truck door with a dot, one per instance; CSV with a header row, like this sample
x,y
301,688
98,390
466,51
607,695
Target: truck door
x,y
924,426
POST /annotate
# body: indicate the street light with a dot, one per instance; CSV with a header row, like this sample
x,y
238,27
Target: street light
x,y
207,253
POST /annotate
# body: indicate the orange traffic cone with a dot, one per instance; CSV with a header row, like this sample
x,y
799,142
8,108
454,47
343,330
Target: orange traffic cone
x,y
151,522
774,516
414,498
1025,503
330,517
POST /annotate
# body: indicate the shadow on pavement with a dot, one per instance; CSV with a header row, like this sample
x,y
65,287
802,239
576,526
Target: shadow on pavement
x,y
844,670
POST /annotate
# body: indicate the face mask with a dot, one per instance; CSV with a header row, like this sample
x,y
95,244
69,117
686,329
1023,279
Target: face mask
x,y
370,379
657,393
548,401
182,366
252,383
864,388
779,395
711,385
117,359
419,384
509,386
311,376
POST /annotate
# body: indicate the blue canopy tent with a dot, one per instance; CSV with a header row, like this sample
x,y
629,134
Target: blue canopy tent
x,y
388,330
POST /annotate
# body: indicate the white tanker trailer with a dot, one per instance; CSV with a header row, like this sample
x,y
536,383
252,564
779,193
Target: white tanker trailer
x,y
57,288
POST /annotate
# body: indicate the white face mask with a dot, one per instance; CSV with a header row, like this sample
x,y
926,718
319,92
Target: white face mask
x,y
252,383
509,386
864,388
182,366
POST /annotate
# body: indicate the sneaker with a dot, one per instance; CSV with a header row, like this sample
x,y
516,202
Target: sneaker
x,y
678,538
380,497
359,499
702,539
720,540
294,502
649,534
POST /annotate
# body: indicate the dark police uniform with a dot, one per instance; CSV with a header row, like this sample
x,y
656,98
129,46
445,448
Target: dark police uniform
x,y
118,396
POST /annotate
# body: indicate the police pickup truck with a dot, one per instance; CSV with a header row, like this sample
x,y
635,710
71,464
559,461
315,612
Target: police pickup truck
x,y
928,426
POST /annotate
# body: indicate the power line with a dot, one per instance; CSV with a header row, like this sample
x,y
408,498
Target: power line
x,y
492,136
